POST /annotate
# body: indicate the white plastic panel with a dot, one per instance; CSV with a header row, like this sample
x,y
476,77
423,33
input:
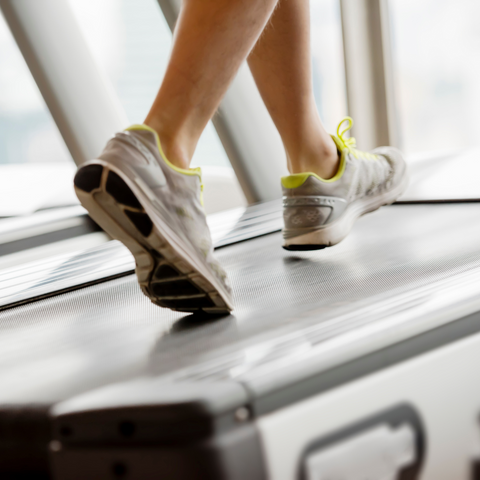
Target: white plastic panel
x,y
442,385
377,454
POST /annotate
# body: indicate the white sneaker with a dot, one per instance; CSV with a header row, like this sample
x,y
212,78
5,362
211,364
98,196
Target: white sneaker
x,y
320,213
155,209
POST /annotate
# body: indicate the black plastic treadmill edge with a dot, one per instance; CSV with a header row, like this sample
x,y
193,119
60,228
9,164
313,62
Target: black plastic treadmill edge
x,y
233,455
146,397
21,460
394,417
144,427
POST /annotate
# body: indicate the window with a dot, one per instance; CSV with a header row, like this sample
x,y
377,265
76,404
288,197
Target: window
x,y
33,156
27,131
436,52
131,40
327,62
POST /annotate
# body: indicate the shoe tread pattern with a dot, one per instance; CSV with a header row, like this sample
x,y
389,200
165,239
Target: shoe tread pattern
x,y
166,286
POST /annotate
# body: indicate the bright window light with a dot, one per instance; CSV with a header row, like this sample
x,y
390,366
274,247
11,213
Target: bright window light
x,y
327,62
436,52
131,41
27,131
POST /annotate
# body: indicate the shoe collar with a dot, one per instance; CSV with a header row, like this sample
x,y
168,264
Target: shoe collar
x,y
184,171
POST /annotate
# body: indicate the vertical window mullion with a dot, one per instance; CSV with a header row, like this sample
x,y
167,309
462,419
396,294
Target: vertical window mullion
x,y
366,40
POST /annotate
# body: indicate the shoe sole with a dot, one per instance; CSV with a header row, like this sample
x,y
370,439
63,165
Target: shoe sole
x,y
337,231
166,274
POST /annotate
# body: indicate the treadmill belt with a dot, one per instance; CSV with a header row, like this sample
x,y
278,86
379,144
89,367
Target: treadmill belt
x,y
69,271
403,270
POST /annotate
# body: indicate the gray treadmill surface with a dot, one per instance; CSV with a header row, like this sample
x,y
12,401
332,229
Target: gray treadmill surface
x,y
404,270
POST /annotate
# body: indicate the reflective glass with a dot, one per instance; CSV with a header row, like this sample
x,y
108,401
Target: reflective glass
x,y
131,40
436,52
27,131
327,61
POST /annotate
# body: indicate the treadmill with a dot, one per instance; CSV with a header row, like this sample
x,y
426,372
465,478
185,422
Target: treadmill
x,y
359,361
356,362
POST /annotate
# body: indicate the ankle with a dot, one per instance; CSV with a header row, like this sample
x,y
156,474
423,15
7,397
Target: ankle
x,y
322,159
173,147
174,151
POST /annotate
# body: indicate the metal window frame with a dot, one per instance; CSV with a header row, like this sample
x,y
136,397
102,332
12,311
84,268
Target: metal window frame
x,y
82,103
369,72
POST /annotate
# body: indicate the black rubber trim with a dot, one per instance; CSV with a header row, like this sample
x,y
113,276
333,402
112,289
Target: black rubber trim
x,y
21,459
88,178
303,248
88,226
475,472
120,191
195,302
232,455
164,272
438,201
175,287
141,221
66,290
189,432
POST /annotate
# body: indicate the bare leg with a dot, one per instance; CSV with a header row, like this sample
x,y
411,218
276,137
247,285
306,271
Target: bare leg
x,y
281,65
211,40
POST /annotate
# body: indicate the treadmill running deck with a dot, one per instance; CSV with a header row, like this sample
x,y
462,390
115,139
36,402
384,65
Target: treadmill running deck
x,y
404,270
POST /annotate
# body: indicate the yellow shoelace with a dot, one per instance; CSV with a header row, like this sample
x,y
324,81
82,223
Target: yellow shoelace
x,y
350,143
